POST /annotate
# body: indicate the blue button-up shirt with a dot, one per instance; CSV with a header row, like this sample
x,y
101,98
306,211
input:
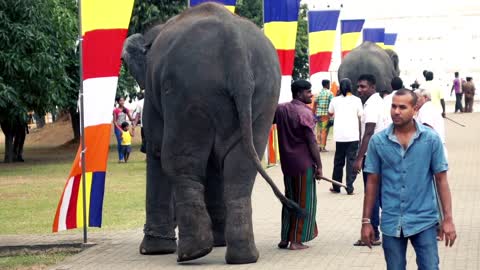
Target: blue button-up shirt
x,y
408,197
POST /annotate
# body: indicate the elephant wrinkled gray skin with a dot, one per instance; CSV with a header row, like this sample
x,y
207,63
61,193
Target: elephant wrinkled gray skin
x,y
369,58
212,83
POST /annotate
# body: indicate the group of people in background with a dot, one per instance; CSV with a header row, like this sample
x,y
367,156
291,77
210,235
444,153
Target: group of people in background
x,y
122,128
396,139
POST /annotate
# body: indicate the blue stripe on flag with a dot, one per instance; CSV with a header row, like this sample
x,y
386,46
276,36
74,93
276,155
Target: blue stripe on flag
x,y
352,26
374,34
223,2
390,38
96,199
322,20
281,10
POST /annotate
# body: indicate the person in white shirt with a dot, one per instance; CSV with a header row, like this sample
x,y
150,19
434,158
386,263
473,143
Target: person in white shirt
x,y
429,115
138,120
372,122
347,110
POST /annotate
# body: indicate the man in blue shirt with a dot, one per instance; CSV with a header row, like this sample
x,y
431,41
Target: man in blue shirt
x,y
408,157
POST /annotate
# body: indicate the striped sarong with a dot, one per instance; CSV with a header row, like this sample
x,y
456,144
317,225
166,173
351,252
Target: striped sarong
x,y
301,189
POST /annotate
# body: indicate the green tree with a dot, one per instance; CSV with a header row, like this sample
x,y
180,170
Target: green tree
x,y
146,13
301,68
36,38
252,10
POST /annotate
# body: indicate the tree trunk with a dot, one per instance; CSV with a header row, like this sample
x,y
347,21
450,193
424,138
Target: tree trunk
x,y
8,132
75,120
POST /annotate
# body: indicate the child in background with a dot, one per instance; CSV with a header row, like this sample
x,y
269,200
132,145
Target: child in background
x,y
127,135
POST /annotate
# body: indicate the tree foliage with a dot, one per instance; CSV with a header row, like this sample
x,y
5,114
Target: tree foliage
x,y
36,41
301,68
146,13
252,10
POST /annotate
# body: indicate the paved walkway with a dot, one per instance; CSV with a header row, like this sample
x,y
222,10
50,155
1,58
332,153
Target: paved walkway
x,y
338,219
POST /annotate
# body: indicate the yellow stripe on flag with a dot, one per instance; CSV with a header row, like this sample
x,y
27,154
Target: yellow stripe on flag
x,y
105,14
391,47
282,34
231,8
88,186
381,44
322,41
350,40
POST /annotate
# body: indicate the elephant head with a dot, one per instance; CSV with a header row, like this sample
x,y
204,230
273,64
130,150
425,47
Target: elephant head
x,y
133,55
394,57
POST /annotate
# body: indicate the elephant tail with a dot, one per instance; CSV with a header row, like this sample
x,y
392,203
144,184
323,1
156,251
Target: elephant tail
x,y
244,107
241,83
243,102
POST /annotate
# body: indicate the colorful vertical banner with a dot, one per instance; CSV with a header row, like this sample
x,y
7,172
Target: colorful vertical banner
x,y
351,31
280,26
104,28
322,26
376,35
390,40
229,4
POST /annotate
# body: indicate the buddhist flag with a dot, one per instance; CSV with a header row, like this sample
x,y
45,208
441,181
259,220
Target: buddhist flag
x,y
376,35
229,4
351,31
322,26
104,28
390,39
280,26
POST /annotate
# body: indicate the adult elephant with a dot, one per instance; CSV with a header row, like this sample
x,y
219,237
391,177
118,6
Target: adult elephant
x,y
15,131
369,58
212,83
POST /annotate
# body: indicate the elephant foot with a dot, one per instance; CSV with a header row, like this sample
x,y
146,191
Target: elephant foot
x,y
219,239
193,248
155,246
242,255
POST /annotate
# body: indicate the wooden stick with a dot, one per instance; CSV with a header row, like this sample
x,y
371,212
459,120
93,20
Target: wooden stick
x,y
333,181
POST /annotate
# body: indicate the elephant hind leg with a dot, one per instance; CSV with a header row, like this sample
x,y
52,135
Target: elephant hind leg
x,y
194,224
239,175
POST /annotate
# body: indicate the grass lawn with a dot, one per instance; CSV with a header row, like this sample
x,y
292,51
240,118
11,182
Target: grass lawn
x,y
34,262
30,191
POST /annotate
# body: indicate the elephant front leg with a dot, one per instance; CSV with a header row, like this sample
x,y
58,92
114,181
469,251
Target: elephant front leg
x,y
239,174
159,230
194,224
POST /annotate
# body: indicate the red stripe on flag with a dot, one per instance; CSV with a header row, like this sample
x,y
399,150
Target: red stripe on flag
x,y
71,219
320,62
286,58
344,53
101,52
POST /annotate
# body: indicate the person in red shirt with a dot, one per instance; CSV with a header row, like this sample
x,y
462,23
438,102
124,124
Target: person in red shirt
x,y
120,115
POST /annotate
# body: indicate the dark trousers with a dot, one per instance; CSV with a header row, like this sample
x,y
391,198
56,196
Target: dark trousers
x,y
345,151
375,218
458,102
468,104
143,148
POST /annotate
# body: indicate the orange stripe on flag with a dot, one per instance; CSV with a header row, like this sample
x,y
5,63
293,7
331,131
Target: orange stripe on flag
x,y
97,141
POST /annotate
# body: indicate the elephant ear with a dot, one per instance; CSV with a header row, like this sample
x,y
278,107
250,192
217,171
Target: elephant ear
x,y
134,57
394,57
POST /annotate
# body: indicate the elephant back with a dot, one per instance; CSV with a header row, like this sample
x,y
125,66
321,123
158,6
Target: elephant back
x,y
369,58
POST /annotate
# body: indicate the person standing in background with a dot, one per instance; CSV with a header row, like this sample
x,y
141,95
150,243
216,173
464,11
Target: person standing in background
x,y
469,91
457,86
347,110
320,108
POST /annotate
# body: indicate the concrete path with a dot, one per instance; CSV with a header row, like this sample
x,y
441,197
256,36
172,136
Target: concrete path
x,y
338,219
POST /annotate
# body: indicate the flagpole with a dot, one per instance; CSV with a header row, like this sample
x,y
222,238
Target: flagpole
x,y
82,124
